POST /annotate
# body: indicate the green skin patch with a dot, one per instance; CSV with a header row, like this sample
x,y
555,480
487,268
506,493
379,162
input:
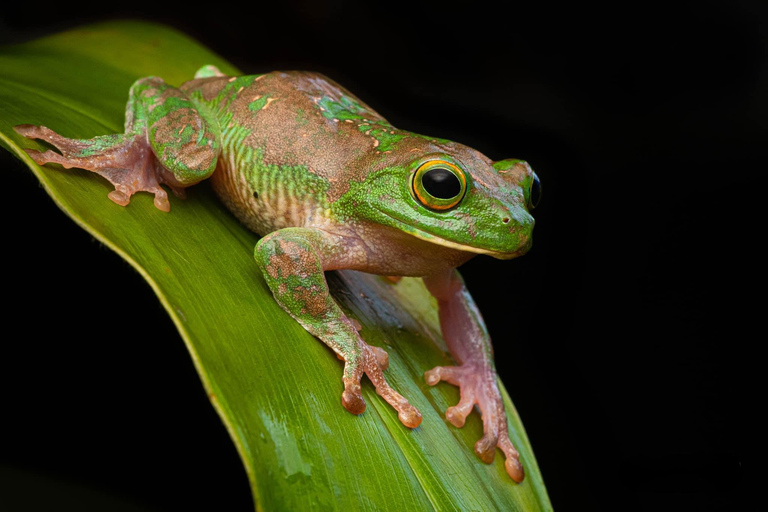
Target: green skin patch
x,y
329,184
386,135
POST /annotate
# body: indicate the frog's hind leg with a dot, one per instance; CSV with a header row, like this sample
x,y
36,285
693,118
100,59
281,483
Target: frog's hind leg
x,y
166,141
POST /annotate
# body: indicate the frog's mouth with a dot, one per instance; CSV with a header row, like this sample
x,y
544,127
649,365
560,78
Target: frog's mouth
x,y
434,239
407,228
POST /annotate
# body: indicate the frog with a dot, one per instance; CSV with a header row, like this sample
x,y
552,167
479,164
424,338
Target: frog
x,y
328,184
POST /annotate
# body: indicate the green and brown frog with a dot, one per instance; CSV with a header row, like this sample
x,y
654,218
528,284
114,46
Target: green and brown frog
x,y
330,184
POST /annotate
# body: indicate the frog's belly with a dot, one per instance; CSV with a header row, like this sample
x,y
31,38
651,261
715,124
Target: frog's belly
x,y
262,201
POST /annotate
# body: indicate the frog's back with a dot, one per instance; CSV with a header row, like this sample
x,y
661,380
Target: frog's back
x,y
291,142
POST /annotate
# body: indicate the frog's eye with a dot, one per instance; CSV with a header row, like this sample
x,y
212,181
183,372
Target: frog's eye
x,y
534,193
439,185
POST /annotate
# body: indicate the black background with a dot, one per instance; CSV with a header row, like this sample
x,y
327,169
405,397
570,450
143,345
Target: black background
x,y
621,336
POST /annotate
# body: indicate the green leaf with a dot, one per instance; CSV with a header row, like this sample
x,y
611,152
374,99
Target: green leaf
x,y
277,389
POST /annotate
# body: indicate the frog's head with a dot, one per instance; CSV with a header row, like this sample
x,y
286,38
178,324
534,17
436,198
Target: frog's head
x,y
458,198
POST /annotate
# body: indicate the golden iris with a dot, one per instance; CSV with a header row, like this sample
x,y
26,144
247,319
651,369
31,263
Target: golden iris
x,y
439,185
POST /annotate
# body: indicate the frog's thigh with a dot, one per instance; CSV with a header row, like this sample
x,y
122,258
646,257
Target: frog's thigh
x,y
182,138
292,264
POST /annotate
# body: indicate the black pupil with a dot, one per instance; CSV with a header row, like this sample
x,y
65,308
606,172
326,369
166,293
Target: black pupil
x,y
441,183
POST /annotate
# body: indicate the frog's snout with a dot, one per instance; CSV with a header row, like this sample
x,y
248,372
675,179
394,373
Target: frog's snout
x,y
520,235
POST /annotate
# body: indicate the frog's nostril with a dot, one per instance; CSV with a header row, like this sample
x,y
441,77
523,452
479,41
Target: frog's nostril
x,y
505,220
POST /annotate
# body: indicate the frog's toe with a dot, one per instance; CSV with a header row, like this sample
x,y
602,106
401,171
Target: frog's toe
x,y
41,157
25,129
161,199
446,373
485,447
352,399
67,146
513,465
457,414
409,416
120,196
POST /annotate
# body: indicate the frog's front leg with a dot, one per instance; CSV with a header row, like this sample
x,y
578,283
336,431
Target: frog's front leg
x,y
293,261
468,341
167,140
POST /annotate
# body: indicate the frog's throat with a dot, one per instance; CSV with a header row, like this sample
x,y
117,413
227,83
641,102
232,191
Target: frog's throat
x,y
434,239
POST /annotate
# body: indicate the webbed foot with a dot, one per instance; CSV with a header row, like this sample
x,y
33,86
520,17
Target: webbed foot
x,y
372,361
125,160
478,386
